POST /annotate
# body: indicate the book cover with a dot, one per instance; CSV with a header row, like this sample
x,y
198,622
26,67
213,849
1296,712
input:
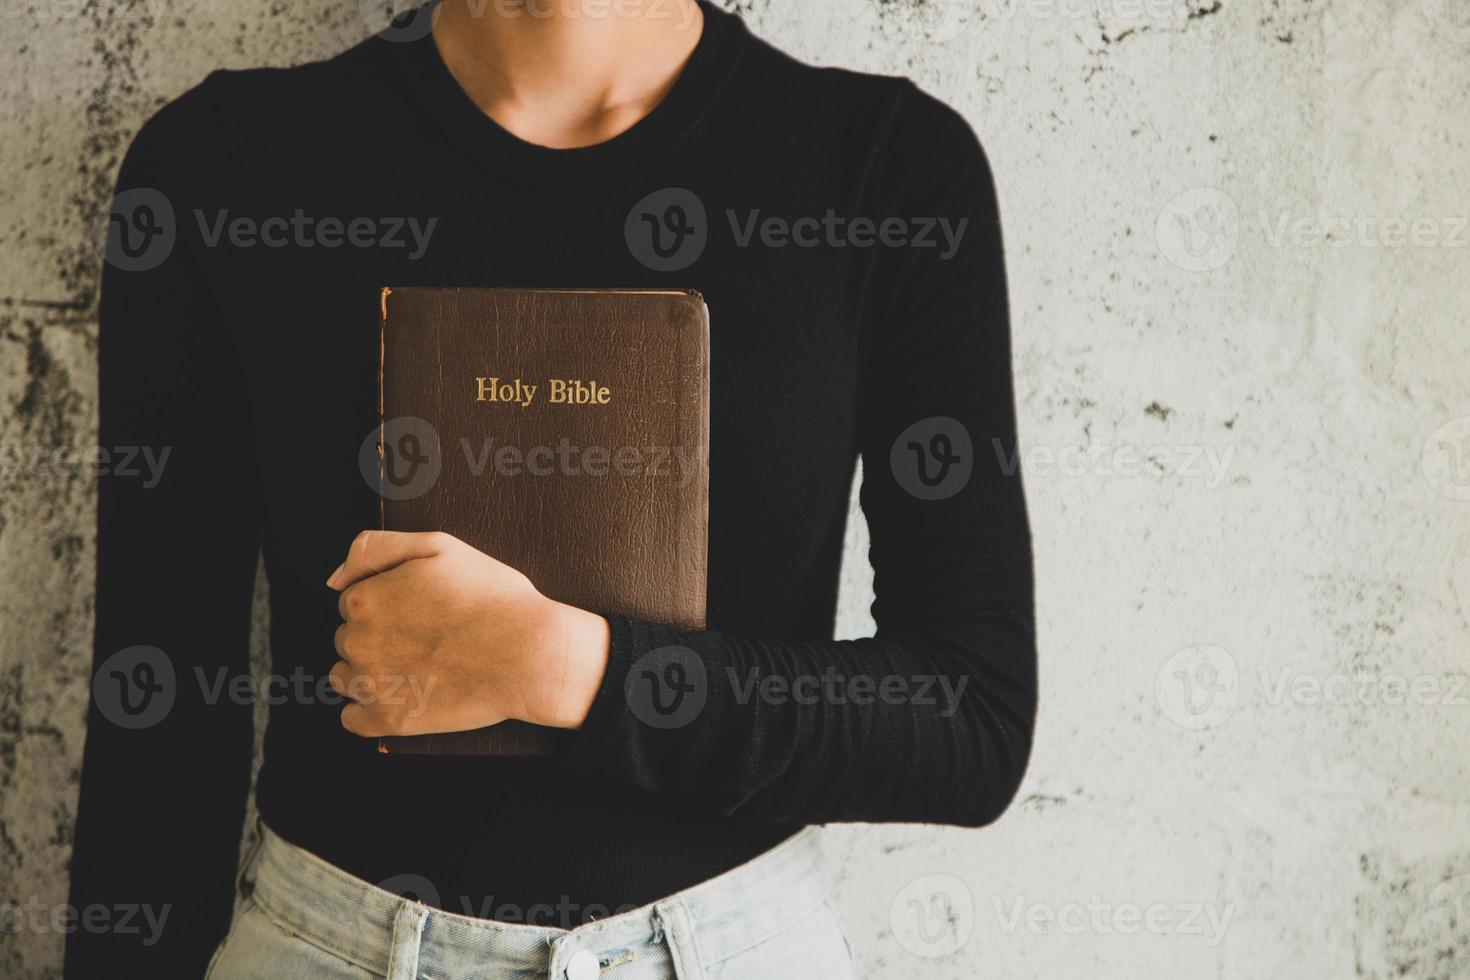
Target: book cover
x,y
564,432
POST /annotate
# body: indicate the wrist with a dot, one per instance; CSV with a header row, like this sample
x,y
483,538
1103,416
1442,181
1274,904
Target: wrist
x,y
574,661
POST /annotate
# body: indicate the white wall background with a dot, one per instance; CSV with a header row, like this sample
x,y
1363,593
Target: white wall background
x,y
1250,490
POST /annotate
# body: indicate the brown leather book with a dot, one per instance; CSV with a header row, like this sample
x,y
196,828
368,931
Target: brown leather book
x,y
564,432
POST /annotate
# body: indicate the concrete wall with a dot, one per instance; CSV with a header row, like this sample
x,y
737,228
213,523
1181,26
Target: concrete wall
x,y
1239,379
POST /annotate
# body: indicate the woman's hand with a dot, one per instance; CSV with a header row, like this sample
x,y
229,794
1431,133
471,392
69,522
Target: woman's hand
x,y
439,637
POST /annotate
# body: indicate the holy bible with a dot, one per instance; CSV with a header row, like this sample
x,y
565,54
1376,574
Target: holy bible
x,y
564,432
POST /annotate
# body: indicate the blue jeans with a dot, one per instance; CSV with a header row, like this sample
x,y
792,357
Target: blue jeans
x,y
301,918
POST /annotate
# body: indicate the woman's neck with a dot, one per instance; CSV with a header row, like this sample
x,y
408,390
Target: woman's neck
x,y
567,73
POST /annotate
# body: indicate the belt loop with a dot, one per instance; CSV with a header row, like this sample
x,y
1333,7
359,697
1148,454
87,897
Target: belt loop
x,y
408,929
678,931
561,950
244,880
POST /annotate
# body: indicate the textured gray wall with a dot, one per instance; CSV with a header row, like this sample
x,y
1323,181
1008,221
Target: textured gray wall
x,y
1240,273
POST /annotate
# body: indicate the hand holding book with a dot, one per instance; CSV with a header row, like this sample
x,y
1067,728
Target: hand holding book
x,y
440,637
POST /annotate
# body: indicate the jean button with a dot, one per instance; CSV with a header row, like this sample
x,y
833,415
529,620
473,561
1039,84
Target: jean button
x,y
583,966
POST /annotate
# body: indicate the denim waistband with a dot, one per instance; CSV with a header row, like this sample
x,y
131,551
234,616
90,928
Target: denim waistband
x,y
402,939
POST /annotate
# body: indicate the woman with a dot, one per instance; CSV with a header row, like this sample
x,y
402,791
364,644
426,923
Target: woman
x,y
850,255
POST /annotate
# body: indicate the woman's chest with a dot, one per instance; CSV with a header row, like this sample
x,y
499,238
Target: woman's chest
x,y
784,344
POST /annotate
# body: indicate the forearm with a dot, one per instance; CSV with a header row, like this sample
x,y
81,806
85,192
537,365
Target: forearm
x,y
156,843
166,766
931,728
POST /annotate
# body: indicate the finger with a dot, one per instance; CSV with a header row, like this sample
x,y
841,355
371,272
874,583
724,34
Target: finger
x,y
359,721
341,678
378,551
353,603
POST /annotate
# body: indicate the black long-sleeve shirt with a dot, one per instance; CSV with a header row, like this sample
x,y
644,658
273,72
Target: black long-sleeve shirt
x,y
246,344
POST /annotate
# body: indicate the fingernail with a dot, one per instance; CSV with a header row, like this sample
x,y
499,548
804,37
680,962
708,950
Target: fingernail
x,y
332,578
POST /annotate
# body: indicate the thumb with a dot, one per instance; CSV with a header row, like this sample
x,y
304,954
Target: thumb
x,y
377,551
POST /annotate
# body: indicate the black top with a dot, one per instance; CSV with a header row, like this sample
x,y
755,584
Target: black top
x,y
245,343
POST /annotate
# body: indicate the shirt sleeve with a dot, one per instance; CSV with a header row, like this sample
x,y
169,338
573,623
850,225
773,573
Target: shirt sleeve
x,y
930,719
166,766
